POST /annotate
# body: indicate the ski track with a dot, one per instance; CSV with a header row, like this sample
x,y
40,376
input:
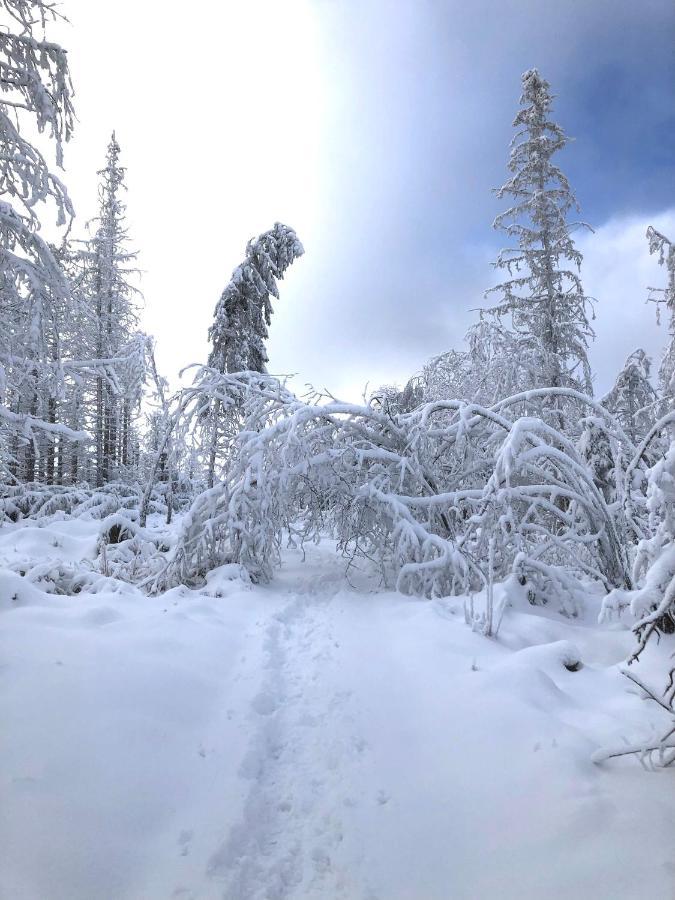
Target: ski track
x,y
287,843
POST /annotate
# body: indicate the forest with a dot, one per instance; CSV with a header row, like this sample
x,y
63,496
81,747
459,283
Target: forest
x,y
325,599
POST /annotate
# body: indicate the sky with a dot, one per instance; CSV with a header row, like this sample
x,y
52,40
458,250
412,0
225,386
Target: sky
x,y
378,130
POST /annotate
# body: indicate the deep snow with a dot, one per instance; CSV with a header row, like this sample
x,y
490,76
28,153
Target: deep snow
x,y
312,739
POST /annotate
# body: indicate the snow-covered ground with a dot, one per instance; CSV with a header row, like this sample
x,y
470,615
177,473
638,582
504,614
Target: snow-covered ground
x,y
310,739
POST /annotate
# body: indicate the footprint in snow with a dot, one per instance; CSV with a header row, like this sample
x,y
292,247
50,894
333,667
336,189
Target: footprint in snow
x,y
321,860
265,704
184,839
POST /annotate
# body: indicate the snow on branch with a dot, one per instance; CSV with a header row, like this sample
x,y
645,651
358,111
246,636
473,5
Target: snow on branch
x,y
429,495
664,249
655,752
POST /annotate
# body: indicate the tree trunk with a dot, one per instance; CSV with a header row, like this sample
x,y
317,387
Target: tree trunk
x,y
50,452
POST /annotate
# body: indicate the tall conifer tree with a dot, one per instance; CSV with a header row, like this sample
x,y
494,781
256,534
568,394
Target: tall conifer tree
x,y
112,294
542,309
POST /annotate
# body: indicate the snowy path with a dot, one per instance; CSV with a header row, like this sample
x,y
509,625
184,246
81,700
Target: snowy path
x,y
300,750
307,740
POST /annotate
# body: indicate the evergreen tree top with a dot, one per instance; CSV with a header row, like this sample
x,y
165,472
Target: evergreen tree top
x,y
244,310
547,326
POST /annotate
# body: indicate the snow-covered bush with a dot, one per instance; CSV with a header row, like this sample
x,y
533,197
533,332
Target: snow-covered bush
x,y
124,550
652,602
40,501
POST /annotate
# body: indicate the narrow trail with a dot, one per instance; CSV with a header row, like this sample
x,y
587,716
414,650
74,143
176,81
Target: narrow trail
x,y
302,748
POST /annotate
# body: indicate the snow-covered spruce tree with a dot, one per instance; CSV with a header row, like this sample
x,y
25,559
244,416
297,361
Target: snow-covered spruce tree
x,y
111,295
632,402
35,93
665,250
243,314
598,451
632,399
542,307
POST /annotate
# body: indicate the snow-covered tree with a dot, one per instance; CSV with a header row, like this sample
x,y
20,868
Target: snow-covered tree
x,y
164,440
632,403
446,498
485,372
595,449
244,310
665,250
632,399
112,293
542,304
243,314
35,94
448,375
656,556
495,367
391,398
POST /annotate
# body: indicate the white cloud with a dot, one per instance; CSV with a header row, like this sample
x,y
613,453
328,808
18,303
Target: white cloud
x,y
617,270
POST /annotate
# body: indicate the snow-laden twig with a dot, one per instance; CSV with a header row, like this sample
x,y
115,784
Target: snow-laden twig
x,y
655,752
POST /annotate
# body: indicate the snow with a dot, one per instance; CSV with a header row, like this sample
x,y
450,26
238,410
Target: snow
x,y
314,738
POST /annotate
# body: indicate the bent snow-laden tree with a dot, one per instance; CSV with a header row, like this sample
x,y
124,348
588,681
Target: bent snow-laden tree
x,y
35,92
447,498
237,336
543,310
244,310
243,314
